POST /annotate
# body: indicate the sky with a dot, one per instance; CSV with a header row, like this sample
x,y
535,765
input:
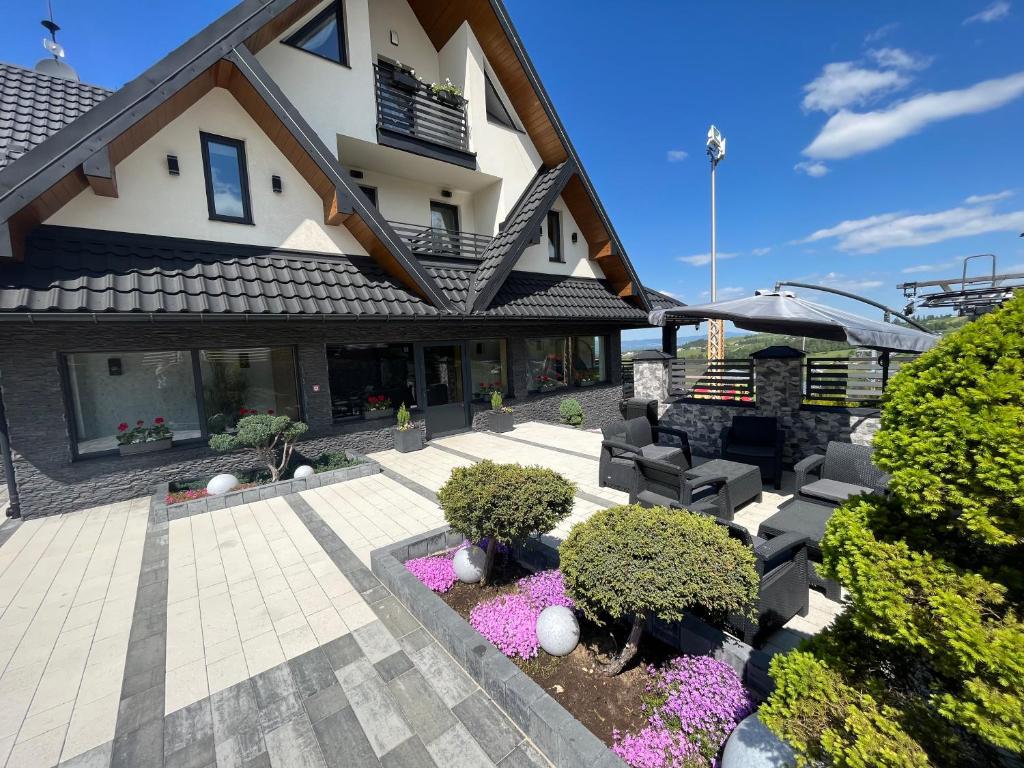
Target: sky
x,y
869,143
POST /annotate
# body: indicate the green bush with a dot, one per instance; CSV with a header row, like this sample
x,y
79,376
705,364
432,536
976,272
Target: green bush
x,y
632,562
496,400
329,460
272,438
403,418
933,634
504,502
571,412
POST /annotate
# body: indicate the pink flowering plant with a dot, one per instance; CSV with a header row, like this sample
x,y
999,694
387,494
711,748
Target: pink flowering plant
x,y
510,621
692,704
435,571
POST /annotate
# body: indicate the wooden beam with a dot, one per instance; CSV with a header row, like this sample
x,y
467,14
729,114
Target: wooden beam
x,y
99,172
337,207
627,290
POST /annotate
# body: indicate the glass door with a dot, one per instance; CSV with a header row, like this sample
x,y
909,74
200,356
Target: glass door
x,y
447,408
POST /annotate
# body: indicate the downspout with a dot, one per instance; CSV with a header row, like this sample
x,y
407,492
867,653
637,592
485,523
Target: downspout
x,y
14,508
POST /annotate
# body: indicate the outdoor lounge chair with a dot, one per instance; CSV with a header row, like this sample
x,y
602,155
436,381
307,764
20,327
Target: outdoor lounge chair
x,y
845,470
713,492
756,440
625,440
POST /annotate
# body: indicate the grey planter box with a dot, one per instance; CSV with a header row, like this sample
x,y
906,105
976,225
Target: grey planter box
x,y
500,422
405,80
449,99
153,445
408,441
377,415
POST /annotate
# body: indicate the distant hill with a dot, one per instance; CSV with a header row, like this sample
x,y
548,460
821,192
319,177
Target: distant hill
x,y
654,342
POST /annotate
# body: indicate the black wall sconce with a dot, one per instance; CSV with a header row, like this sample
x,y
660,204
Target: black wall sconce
x,y
172,165
114,367
275,184
575,237
394,37
356,174
446,193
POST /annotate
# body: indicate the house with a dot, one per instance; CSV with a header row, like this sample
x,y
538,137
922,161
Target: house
x,y
283,215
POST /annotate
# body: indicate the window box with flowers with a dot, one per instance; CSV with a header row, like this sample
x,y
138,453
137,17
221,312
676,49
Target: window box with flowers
x,y
144,439
405,78
447,93
378,407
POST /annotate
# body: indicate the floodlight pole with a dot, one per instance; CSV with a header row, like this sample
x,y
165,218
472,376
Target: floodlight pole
x,y
716,328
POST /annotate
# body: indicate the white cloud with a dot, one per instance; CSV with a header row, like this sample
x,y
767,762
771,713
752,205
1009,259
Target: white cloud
x,y
728,292
676,155
851,133
668,293
890,230
845,283
761,251
897,58
703,259
994,12
883,31
843,84
813,168
919,268
975,199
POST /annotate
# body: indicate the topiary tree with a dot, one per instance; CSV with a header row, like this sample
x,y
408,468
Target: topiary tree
x,y
271,437
632,562
930,654
504,502
571,412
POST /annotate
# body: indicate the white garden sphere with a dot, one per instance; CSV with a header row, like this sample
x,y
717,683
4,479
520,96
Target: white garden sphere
x,y
301,473
221,484
468,564
752,745
558,631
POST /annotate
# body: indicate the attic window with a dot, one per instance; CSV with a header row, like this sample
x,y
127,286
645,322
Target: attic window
x,y
227,180
496,110
324,35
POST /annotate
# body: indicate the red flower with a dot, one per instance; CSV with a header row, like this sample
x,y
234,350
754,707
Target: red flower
x,y
270,413
243,411
122,427
158,420
139,423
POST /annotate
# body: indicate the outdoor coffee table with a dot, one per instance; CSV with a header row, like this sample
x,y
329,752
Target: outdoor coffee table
x,y
743,480
807,519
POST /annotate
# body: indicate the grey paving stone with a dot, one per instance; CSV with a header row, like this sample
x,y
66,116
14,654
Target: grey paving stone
x,y
242,750
443,673
376,594
343,742
141,748
376,642
147,625
488,725
355,674
409,754
197,754
187,726
422,707
415,640
312,672
326,702
274,684
362,579
294,744
379,715
144,707
524,756
145,654
342,651
137,683
456,747
393,666
279,712
97,757
394,616
234,710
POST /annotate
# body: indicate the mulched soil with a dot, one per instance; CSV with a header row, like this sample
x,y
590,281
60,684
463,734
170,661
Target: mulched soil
x,y
601,703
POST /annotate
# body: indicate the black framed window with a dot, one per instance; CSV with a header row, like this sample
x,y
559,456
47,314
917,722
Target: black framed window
x,y
227,179
444,216
488,368
589,360
555,236
361,374
237,381
324,35
370,192
547,363
496,110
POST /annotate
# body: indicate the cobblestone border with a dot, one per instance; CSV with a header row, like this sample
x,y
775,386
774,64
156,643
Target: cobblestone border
x,y
364,468
565,741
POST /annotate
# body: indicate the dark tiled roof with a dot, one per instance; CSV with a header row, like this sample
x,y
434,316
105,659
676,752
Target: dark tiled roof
x,y
660,300
34,106
530,294
534,203
79,271
454,281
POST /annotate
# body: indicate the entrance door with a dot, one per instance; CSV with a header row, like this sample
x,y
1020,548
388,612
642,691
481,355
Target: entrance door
x,y
447,409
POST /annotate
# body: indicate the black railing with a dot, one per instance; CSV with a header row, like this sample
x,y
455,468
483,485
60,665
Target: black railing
x,y
714,380
627,377
431,241
409,107
851,381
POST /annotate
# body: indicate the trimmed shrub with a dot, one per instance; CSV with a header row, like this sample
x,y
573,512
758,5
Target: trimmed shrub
x,y
571,412
504,502
932,643
632,562
271,437
496,400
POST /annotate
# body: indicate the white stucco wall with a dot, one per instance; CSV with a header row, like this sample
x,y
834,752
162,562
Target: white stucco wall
x,y
150,201
414,48
408,201
577,256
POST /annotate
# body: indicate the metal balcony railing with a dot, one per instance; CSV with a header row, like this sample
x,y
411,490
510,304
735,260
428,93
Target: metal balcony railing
x,y
409,107
431,241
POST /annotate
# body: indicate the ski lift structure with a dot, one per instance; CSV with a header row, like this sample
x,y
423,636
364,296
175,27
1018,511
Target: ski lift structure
x,y
967,296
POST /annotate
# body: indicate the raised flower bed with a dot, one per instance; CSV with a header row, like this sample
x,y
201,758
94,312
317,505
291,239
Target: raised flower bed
x,y
143,438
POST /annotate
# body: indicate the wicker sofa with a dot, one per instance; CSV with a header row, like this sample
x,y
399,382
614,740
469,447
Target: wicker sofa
x,y
844,470
625,440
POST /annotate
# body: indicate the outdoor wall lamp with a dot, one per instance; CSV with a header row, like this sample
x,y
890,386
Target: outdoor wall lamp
x,y
172,165
275,184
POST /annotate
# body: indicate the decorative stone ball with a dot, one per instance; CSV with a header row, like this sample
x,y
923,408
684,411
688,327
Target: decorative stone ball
x,y
301,473
221,484
558,631
469,564
752,745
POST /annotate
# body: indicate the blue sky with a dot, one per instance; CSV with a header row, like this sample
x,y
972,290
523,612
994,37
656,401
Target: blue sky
x,y
869,143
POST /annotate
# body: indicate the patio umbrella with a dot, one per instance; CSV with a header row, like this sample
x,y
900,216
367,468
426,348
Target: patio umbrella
x,y
784,312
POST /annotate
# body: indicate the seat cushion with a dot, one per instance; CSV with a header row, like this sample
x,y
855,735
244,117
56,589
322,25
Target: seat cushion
x,y
833,490
652,499
753,451
662,453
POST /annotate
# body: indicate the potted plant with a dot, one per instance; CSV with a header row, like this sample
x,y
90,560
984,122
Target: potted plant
x,y
499,418
404,78
408,437
447,93
378,407
143,439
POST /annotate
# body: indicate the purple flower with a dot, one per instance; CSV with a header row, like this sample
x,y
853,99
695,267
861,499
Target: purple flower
x,y
435,571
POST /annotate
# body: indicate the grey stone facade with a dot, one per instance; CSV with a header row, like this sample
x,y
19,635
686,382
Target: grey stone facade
x,y
779,392
35,395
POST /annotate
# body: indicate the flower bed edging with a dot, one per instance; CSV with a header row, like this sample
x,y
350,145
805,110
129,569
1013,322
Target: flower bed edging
x,y
565,741
159,505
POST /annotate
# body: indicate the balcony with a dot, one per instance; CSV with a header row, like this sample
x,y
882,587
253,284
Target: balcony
x,y
441,243
410,117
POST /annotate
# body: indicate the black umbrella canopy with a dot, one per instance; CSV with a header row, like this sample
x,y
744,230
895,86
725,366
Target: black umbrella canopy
x,y
784,312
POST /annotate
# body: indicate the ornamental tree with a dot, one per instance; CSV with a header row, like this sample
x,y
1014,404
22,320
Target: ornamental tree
x,y
271,437
504,502
634,563
927,665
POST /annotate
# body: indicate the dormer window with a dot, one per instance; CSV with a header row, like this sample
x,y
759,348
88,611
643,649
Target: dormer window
x,y
496,110
227,180
324,35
